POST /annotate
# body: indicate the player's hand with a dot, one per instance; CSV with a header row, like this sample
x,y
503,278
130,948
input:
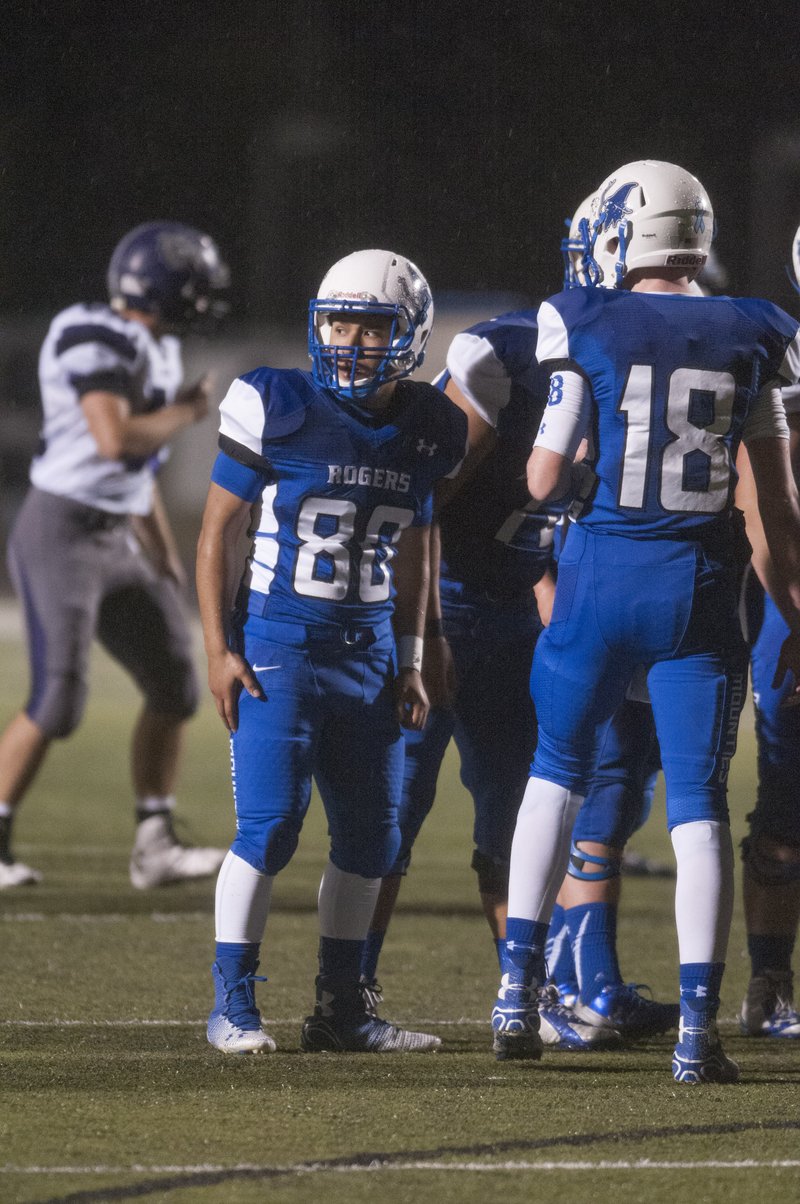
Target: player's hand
x,y
438,671
228,675
197,396
789,662
583,480
411,701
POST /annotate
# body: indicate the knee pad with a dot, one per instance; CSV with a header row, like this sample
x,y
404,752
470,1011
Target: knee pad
x,y
765,868
279,845
607,867
57,707
176,694
492,875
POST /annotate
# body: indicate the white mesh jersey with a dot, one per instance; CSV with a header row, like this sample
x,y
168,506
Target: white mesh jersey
x,y
89,347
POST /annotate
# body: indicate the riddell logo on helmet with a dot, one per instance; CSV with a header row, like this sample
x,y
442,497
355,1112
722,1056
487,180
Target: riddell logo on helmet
x,y
340,295
684,261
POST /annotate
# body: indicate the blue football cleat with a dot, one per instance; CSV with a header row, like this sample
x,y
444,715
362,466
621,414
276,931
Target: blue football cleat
x,y
234,1026
515,1022
561,1028
698,1056
621,1008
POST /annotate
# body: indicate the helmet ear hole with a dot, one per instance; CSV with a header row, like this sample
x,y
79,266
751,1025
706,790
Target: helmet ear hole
x,y
612,246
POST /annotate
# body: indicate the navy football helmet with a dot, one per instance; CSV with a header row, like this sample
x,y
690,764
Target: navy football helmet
x,y
170,270
379,283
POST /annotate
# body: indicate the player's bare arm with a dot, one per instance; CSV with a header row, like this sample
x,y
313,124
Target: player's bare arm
x,y
119,433
411,578
224,520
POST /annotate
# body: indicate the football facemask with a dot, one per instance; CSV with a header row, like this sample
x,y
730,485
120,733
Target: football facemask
x,y
369,284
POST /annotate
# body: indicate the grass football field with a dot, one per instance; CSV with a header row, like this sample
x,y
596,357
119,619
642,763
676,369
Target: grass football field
x,y
109,1091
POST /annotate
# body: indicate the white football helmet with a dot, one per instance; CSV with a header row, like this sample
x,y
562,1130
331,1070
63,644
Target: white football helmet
x,y
370,282
796,259
580,268
650,214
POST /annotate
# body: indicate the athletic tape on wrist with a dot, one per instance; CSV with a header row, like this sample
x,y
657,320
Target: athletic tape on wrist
x,y
409,652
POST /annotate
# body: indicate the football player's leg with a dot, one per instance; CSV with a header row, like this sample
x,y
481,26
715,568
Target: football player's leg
x,y
142,625
771,850
613,809
696,704
358,770
576,683
59,626
495,733
424,752
271,760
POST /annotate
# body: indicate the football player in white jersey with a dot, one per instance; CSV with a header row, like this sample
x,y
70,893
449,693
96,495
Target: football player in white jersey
x,y
91,553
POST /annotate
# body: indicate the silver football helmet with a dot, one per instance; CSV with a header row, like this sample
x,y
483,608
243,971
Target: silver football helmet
x,y
650,214
377,283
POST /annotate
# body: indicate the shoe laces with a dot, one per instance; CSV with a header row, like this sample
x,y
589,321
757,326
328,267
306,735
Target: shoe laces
x,y
240,996
371,993
550,1000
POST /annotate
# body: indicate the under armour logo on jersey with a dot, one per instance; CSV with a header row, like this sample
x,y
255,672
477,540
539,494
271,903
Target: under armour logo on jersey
x,y
613,209
422,446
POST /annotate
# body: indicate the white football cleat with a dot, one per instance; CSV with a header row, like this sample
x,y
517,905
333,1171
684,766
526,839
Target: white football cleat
x,y
17,874
158,857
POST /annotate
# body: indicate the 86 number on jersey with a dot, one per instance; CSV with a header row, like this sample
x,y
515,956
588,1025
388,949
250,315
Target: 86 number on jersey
x,y
323,566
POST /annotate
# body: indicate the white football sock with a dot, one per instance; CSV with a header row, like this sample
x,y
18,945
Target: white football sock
x,y
346,904
242,902
151,804
704,890
540,851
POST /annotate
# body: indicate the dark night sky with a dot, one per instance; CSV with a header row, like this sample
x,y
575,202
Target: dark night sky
x,y
458,133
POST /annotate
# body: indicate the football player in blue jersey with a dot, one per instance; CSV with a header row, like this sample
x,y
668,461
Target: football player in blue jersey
x,y
318,665
496,551
92,553
771,850
668,383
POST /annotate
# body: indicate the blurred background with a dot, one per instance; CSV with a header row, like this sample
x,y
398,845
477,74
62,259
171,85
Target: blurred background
x,y
459,133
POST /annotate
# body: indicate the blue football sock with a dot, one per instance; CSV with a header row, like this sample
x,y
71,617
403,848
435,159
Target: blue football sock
x,y
523,953
558,953
372,951
499,946
593,934
236,961
700,985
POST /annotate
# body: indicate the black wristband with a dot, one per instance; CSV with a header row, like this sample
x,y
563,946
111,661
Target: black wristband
x,y
434,629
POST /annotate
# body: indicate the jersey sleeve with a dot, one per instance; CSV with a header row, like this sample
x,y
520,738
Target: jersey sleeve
x,y
552,343
97,357
480,373
789,370
241,424
243,480
791,399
